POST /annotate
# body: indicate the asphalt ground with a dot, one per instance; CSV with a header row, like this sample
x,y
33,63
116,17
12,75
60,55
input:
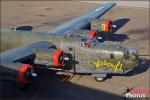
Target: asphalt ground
x,y
132,22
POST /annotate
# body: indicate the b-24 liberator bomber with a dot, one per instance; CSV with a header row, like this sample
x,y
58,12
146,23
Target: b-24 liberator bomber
x,y
65,49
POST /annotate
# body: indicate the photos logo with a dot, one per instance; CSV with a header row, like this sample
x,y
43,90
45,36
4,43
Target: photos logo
x,y
136,93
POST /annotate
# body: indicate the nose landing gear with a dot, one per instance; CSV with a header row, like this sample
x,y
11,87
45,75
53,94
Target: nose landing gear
x,y
100,77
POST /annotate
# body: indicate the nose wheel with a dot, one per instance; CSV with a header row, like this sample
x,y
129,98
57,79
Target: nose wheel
x,y
100,79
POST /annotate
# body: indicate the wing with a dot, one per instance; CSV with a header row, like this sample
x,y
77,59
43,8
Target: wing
x,y
83,21
17,63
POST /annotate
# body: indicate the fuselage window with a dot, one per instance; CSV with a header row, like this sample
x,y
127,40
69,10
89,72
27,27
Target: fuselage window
x,y
70,49
111,56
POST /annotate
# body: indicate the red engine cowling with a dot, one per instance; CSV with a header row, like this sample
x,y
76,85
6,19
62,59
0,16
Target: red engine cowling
x,y
93,33
22,73
102,25
25,73
58,58
52,56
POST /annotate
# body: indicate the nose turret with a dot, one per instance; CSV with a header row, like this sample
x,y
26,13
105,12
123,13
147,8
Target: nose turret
x,y
131,58
132,53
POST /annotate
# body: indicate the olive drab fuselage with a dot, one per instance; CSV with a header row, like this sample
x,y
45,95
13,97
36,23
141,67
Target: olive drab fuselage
x,y
93,57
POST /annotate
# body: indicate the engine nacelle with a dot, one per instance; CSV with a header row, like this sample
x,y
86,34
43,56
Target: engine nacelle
x,y
22,73
102,25
93,33
52,56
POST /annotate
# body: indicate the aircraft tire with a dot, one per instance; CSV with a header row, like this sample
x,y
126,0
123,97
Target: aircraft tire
x,y
100,79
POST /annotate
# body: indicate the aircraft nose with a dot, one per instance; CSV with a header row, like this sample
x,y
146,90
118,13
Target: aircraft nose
x,y
134,53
